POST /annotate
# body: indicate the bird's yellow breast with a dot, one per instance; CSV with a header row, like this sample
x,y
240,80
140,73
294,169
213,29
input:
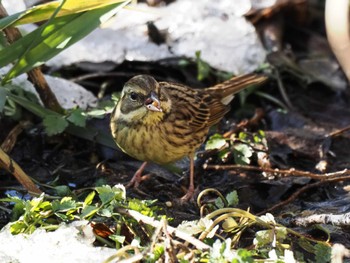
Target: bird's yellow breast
x,y
155,143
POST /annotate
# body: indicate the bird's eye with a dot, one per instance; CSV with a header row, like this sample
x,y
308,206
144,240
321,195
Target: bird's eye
x,y
133,96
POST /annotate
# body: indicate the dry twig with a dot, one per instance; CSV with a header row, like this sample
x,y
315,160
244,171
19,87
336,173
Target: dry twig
x,y
289,172
12,167
10,141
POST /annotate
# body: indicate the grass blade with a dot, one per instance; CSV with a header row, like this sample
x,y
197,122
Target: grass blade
x,y
36,48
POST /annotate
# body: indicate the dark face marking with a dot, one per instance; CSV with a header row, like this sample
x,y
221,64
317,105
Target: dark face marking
x,y
131,100
135,91
133,96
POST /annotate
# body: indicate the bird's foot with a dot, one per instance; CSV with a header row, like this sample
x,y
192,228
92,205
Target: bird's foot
x,y
137,178
188,196
134,182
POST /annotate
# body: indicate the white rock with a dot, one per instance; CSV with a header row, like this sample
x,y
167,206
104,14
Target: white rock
x,y
226,40
66,244
68,94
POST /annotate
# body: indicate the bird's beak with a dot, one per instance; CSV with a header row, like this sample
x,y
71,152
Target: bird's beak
x,y
152,102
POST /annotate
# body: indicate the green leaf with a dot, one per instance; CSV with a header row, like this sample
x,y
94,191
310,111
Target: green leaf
x,y
242,153
29,105
43,12
142,206
202,67
322,253
51,38
88,211
33,204
3,98
261,133
18,210
116,97
245,255
103,108
242,136
107,194
219,203
281,233
107,105
96,113
258,138
232,198
106,212
54,124
90,197
3,40
216,141
64,205
62,190
306,245
224,154
76,117
117,238
89,133
158,251
43,207
64,217
18,227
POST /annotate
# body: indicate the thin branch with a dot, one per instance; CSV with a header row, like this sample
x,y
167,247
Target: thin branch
x,y
10,141
338,132
12,167
289,172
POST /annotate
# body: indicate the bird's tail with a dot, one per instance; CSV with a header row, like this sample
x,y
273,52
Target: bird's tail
x,y
236,84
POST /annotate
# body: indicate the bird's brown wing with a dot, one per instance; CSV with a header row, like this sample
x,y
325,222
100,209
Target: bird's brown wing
x,y
221,94
216,108
235,85
202,108
195,107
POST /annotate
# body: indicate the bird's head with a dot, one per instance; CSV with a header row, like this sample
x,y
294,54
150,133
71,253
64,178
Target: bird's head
x,y
143,100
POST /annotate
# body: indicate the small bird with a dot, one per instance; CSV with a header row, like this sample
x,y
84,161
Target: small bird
x,y
162,122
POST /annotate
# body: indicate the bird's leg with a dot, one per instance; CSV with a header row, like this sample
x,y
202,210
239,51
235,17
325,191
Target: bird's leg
x,y
137,178
190,190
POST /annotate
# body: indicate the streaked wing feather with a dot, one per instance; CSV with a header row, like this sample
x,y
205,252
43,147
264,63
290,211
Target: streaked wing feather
x,y
202,108
188,105
236,84
217,111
